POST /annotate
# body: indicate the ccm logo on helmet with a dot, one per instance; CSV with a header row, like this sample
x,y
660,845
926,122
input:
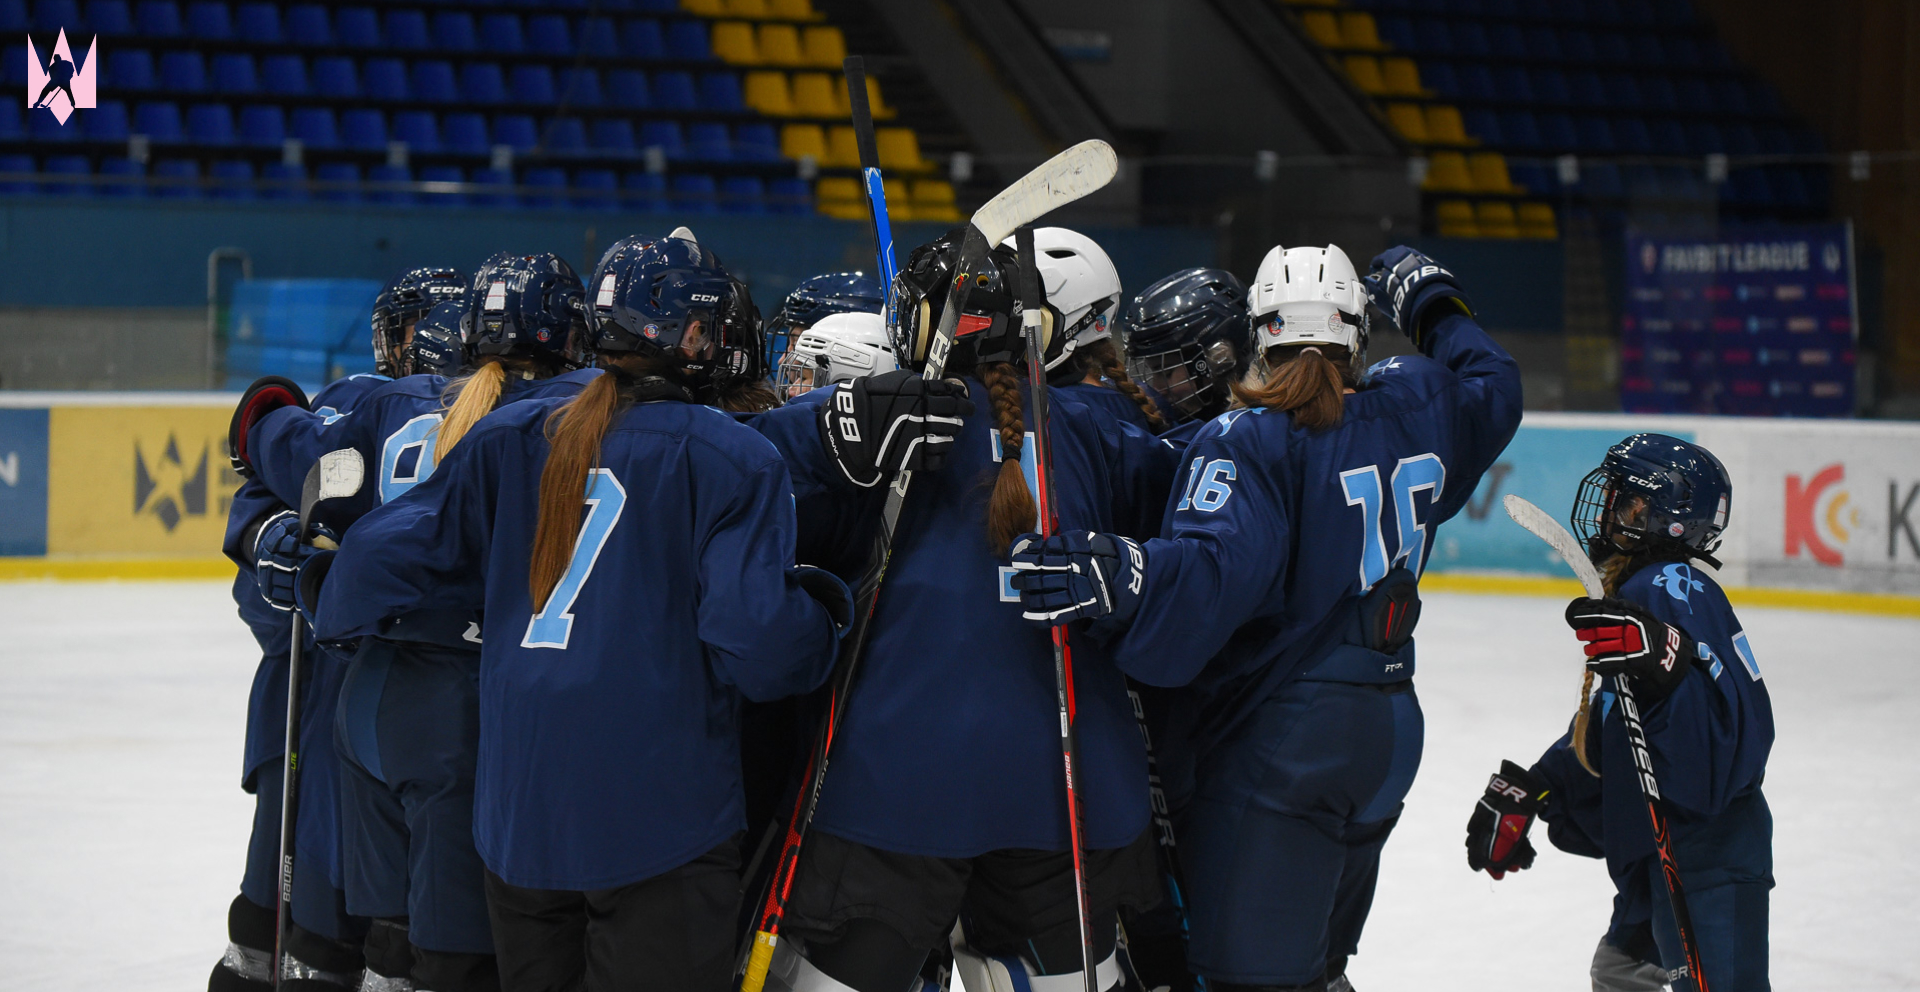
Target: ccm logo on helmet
x,y
705,298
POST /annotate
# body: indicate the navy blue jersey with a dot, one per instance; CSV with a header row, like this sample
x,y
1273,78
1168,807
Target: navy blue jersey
x,y
1103,398
1709,742
956,692
1276,531
609,751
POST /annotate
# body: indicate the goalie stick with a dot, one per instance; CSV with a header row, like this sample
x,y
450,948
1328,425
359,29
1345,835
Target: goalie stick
x,y
1536,521
1062,179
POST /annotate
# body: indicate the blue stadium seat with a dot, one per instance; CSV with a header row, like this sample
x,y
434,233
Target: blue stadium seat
x,y
595,189
10,123
1682,51
743,195
286,182
107,121
641,38
492,192
364,128
674,91
263,125
453,31
1624,90
233,73
43,126
407,30
657,6
614,134
789,196
259,23
548,187
581,88
1596,136
1643,182
390,174
664,135
1506,41
1439,77
646,191
1587,90
1519,130
1695,95
418,129
1631,134
183,171
1513,83
1740,138
111,18
465,133
548,34
1601,180
1792,188
516,130
433,82
756,142
1705,137
1669,138
234,179
1557,132
1476,82
687,40
315,127
1470,38
183,72
51,16
308,24
709,142
599,38
481,82
565,136
1431,35
720,91
1544,43
1400,33
16,164
284,74
1612,47
1484,124
336,76
1535,179
210,124
694,193
628,88
500,34
1550,86
384,79
124,169
1647,50
339,172
1657,91
443,174
1577,46
159,121
355,27
67,165
158,19
532,84
209,20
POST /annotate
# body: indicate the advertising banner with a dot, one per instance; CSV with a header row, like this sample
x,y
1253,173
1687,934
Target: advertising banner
x,y
1756,321
138,481
23,482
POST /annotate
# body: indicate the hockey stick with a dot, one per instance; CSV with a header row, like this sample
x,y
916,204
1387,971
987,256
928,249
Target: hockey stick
x,y
1549,530
1062,179
337,475
1163,822
1033,318
856,70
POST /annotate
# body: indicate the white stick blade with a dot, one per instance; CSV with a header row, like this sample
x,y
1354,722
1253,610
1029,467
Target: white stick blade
x,y
1549,530
1060,180
341,473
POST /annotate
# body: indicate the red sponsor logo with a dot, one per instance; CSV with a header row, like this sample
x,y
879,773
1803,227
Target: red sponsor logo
x,y
1802,529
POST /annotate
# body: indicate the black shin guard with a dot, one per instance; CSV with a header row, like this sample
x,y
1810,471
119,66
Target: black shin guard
x,y
320,964
247,965
388,953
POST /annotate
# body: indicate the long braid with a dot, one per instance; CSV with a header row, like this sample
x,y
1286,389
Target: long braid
x,y
1612,572
1106,358
1011,511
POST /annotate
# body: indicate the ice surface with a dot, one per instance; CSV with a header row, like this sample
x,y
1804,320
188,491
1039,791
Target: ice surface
x,y
123,828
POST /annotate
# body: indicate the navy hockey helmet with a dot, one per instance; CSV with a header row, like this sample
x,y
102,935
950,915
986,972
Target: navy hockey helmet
x,y
990,324
673,298
1188,337
527,306
403,302
1655,492
821,296
439,344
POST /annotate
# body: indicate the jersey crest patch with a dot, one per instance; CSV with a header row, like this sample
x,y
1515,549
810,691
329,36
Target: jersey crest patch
x,y
1677,579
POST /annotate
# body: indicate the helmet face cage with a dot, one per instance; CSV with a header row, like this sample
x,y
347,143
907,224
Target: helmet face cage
x,y
403,302
1188,338
816,298
1192,379
1652,490
991,322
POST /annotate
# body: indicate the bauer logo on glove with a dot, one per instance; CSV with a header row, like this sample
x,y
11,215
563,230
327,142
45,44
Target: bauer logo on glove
x,y
1623,638
1078,576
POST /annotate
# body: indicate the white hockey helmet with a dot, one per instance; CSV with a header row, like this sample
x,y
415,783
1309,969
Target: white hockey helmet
x,y
1308,296
1081,283
838,347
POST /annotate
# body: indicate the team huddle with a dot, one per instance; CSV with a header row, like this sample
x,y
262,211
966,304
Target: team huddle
x,y
565,667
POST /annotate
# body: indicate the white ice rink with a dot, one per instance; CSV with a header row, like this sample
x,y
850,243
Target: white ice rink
x,y
123,828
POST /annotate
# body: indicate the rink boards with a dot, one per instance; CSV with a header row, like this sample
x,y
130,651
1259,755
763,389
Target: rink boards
x,y
136,485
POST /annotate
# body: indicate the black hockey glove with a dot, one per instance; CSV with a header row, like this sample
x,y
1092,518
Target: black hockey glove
x,y
827,590
1078,576
1405,285
266,395
1623,638
876,425
307,584
278,553
1497,832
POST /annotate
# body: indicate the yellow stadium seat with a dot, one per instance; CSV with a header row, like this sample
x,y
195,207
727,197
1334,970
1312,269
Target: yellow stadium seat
x,y
1495,219
1444,126
899,150
1358,30
931,192
704,8
1537,221
1454,218
767,92
1489,172
779,45
1364,70
816,94
1407,119
798,141
1322,27
746,10
824,47
1401,77
875,104
838,196
732,42
843,149
1447,173
793,10
899,205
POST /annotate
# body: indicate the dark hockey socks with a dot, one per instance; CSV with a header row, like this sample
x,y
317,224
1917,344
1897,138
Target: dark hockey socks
x,y
247,966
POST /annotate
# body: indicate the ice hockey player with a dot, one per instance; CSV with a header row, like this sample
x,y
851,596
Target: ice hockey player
x,y
439,346
838,347
1285,587
616,642
1189,339
1082,289
815,299
949,666
408,716
1650,516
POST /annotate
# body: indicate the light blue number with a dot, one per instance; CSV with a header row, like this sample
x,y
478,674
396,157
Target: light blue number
x,y
1213,490
1193,479
1745,651
1362,486
1411,475
420,433
551,627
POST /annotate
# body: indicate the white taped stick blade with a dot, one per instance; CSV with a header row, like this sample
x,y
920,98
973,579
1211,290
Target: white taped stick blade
x,y
341,473
1549,530
1060,180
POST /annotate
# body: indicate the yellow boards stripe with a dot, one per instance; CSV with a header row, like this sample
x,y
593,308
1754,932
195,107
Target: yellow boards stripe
x,y
138,481
123,569
1828,600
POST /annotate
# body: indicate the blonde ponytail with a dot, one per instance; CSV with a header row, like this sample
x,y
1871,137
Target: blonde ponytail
x,y
574,432
1612,573
473,397
1309,382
